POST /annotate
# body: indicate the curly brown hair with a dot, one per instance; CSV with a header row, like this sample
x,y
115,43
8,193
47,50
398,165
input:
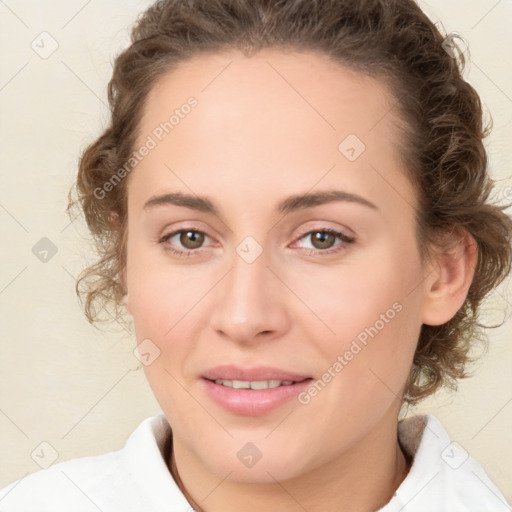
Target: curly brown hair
x,y
441,142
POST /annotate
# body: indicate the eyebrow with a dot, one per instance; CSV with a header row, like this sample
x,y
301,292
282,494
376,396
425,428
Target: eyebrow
x,y
193,202
288,205
308,200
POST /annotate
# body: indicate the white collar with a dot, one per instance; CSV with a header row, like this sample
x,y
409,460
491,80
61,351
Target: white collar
x,y
443,477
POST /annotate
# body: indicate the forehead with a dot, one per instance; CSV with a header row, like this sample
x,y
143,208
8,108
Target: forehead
x,y
278,118
305,86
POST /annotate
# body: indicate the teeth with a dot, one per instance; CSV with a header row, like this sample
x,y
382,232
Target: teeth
x,y
253,384
241,384
259,384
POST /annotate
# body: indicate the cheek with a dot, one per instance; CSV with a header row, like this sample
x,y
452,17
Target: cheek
x,y
161,294
166,304
375,320
365,291
366,365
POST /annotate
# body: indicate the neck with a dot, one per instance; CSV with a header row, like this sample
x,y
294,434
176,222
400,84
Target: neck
x,y
363,479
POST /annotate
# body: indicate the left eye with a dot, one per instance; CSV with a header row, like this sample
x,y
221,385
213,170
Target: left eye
x,y
325,239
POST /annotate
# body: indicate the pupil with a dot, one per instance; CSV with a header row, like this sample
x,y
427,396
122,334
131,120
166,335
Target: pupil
x,y
323,240
191,239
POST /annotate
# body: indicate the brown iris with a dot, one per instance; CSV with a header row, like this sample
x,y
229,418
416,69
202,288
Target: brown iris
x,y
322,240
191,239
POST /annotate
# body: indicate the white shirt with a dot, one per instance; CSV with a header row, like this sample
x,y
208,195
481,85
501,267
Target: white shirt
x,y
136,478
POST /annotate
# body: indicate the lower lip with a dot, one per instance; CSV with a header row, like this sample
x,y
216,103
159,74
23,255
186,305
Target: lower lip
x,y
253,402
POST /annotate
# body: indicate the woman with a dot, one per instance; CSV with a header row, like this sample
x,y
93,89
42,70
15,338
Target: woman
x,y
291,202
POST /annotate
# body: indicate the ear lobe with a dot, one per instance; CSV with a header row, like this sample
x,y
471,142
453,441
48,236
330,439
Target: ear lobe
x,y
126,298
126,302
113,218
447,286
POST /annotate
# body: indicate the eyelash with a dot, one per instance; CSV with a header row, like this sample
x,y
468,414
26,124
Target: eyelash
x,y
185,253
345,239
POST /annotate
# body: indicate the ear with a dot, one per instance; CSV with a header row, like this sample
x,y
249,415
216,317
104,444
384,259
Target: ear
x,y
126,298
113,218
446,287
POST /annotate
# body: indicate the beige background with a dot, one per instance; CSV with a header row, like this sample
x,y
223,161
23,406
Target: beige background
x,y
64,382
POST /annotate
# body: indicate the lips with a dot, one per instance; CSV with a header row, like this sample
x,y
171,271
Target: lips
x,y
252,391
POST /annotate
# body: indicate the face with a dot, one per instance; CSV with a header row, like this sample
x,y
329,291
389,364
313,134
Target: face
x,y
271,246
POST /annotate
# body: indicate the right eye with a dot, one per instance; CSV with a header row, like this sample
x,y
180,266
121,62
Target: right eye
x,y
184,242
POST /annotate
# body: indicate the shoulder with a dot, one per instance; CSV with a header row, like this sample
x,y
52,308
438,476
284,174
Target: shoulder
x,y
443,475
133,478
74,483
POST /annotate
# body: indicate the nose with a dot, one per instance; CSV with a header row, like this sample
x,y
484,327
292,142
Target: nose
x,y
250,303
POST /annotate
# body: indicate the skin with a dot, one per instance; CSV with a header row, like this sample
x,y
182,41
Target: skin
x,y
254,140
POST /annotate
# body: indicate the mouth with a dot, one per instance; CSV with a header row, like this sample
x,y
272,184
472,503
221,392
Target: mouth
x,y
255,384
252,392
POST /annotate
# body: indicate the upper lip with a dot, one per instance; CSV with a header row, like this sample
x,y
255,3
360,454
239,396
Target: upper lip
x,y
232,372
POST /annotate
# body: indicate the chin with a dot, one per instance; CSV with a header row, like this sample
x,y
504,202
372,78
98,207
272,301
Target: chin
x,y
260,462
261,472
